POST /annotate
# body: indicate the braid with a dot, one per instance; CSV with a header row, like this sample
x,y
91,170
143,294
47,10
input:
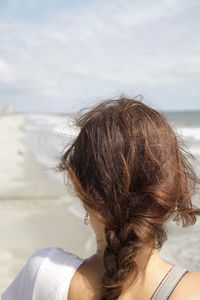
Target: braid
x,y
123,245
118,262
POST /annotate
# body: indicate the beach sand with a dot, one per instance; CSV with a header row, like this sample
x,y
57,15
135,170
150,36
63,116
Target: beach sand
x,y
26,226
36,211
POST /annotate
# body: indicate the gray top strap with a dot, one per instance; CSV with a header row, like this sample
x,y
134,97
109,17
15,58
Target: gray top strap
x,y
169,283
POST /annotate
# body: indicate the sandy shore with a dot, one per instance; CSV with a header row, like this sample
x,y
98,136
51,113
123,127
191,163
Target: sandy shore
x,y
11,152
26,226
35,211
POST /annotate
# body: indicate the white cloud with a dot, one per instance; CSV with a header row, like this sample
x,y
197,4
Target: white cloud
x,y
98,47
140,13
6,72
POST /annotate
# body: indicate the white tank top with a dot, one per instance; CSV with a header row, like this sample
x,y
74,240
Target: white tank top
x,y
48,272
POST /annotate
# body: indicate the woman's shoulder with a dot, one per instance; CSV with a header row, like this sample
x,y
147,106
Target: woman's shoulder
x,y
42,273
188,288
51,256
55,252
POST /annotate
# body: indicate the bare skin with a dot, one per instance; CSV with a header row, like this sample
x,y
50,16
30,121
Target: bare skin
x,y
86,281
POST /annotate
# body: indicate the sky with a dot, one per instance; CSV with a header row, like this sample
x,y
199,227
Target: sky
x,y
62,55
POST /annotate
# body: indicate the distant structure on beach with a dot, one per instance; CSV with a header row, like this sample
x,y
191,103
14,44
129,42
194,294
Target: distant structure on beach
x,y
6,110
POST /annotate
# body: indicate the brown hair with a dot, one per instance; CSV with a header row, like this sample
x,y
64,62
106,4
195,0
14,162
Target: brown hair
x,y
131,169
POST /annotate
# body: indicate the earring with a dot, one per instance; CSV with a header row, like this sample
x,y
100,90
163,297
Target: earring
x,y
86,219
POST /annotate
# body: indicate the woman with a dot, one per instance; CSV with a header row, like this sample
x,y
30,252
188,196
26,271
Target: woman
x,y
132,174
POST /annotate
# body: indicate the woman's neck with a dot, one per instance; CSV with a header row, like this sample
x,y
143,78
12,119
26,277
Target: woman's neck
x,y
151,271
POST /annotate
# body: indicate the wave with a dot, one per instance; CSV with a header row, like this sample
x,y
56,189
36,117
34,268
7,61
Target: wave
x,y
57,124
189,132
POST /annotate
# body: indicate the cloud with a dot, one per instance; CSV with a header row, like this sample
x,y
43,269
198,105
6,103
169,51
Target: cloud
x,y
6,72
92,49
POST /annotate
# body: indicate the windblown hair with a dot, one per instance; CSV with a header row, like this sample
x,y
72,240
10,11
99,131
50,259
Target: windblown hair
x,y
130,168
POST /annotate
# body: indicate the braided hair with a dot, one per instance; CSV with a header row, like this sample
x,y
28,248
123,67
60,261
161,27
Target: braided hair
x,y
133,171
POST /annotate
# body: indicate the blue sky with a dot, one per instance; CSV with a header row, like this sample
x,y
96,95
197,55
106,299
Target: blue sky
x,y
59,55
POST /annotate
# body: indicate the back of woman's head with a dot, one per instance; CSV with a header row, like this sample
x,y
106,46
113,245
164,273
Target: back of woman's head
x,y
132,171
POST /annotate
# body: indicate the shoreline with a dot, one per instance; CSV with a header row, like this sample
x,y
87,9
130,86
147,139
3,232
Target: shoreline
x,y
22,175
34,207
